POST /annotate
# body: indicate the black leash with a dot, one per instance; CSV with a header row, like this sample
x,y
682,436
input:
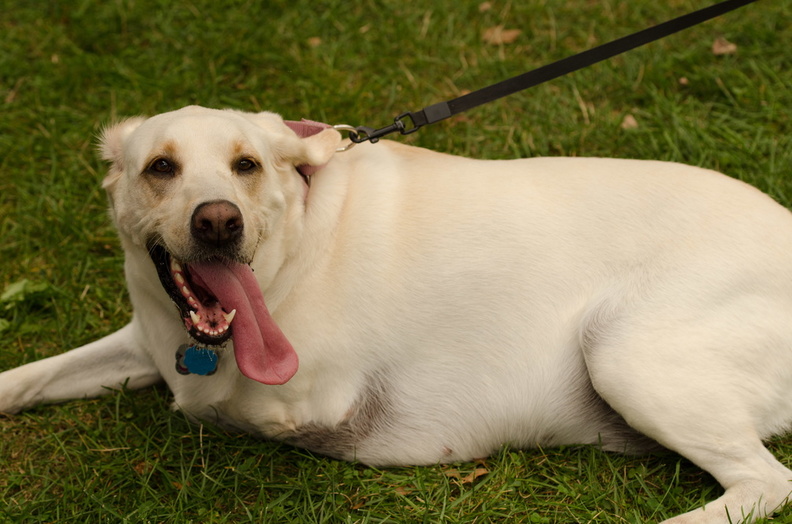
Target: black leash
x,y
443,110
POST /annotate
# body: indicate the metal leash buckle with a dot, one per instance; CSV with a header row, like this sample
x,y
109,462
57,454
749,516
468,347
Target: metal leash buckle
x,y
353,132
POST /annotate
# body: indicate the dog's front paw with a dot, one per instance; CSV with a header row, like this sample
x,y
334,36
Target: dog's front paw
x,y
18,390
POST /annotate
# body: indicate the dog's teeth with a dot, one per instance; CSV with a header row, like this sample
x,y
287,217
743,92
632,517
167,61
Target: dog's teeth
x,y
229,316
178,278
175,266
196,318
185,291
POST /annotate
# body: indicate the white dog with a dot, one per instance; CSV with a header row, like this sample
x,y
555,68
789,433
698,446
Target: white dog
x,y
411,307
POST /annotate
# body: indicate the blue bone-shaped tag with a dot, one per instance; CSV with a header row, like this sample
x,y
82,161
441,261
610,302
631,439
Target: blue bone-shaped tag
x,y
196,360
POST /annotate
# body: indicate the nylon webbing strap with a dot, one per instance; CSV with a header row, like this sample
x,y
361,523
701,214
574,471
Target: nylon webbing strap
x,y
443,110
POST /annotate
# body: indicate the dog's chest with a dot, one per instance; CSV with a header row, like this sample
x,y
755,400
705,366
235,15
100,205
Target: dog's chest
x,y
331,420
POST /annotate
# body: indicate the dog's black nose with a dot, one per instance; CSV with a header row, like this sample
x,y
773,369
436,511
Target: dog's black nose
x,y
216,223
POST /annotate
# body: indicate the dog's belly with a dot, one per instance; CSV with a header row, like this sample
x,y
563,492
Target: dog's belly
x,y
435,427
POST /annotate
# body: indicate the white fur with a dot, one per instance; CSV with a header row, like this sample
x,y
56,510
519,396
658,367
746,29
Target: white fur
x,y
485,297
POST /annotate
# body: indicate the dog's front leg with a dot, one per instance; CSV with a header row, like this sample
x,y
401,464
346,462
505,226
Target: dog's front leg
x,y
87,371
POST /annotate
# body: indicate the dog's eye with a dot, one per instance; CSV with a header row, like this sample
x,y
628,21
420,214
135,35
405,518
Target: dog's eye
x,y
162,166
246,165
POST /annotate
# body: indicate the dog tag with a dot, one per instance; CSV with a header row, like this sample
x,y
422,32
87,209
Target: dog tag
x,y
196,360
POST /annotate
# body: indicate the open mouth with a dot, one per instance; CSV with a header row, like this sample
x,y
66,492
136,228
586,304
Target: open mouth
x,y
218,300
205,318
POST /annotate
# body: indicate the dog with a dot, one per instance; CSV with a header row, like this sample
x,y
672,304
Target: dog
x,y
394,305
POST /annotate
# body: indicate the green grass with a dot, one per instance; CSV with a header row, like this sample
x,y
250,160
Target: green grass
x,y
67,68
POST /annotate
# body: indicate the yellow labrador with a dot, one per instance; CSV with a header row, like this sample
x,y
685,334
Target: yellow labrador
x,y
411,307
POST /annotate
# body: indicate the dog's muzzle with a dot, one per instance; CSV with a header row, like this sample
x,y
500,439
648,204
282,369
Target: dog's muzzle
x,y
213,288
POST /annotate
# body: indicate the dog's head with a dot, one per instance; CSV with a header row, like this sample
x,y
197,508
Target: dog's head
x,y
203,191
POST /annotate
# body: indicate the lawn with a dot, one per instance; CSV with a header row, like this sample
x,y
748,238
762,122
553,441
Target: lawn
x,y
69,68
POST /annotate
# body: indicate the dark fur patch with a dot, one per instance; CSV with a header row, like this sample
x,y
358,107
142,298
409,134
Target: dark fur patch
x,y
371,413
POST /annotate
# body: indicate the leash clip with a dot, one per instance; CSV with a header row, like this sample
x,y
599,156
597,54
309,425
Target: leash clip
x,y
405,124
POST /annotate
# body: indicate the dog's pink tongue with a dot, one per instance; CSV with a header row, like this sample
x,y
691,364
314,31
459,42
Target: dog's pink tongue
x,y
262,351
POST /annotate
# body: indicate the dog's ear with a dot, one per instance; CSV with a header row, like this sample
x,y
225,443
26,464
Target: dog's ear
x,y
111,144
111,147
314,150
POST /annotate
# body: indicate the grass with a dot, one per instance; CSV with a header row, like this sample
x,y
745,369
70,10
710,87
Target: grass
x,y
68,68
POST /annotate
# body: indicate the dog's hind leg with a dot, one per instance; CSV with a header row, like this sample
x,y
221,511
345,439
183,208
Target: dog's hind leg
x,y
710,389
88,371
754,487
